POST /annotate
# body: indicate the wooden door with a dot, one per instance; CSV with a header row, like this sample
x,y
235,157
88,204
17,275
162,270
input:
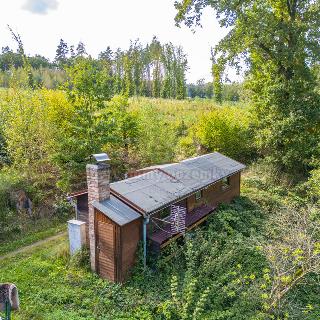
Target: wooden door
x,y
106,250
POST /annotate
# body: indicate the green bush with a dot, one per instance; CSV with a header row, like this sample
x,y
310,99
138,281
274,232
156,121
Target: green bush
x,y
157,136
9,181
62,209
81,259
314,184
226,130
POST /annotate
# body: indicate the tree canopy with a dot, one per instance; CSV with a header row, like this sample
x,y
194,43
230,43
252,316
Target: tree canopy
x,y
278,41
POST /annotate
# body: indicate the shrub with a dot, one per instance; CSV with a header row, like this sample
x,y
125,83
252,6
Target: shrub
x,y
157,136
227,130
81,259
314,184
9,181
62,208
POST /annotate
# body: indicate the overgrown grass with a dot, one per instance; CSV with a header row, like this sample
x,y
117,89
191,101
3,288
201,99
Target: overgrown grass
x,y
188,110
19,228
223,257
43,230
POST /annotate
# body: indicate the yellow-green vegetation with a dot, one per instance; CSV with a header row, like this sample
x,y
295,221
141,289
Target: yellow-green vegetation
x,y
47,137
32,123
38,126
279,43
225,129
314,184
180,129
188,110
228,269
31,233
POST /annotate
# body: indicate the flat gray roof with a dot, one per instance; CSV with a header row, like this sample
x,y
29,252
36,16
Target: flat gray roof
x,y
116,210
166,184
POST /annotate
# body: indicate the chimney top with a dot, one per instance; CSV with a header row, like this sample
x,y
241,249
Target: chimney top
x,y
101,157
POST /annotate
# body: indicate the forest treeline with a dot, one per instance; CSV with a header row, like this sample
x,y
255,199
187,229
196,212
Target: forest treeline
x,y
154,70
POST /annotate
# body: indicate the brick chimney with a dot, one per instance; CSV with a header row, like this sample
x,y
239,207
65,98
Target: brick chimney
x,y
98,180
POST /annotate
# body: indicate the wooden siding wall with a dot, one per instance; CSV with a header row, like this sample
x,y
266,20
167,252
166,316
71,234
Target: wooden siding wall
x,y
107,258
216,194
213,195
123,242
130,237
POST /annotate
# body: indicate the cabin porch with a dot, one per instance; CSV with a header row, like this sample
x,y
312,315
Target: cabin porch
x,y
162,236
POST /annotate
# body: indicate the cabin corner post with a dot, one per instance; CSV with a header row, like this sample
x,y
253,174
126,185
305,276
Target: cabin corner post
x,y
145,222
98,180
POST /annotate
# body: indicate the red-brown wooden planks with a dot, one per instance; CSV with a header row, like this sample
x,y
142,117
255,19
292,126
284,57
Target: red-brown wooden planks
x,y
106,250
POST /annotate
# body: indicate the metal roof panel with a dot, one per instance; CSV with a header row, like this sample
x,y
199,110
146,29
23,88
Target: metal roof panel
x,y
116,210
158,188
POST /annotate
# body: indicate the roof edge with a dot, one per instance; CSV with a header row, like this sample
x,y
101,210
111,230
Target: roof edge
x,y
99,206
190,193
127,202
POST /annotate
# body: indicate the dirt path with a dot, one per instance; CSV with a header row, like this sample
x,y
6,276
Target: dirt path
x,y
33,245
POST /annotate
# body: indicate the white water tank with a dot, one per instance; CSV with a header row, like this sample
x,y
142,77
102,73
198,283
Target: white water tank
x,y
77,235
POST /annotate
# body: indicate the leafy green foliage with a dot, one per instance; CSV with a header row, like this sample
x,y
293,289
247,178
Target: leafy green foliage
x,y
88,82
157,70
287,126
122,145
154,70
279,42
4,159
224,129
33,121
8,181
157,137
231,92
314,184
200,89
182,304
40,125
90,126
217,70
42,77
8,58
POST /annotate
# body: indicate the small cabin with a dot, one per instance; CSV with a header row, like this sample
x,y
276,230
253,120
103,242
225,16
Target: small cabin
x,y
157,205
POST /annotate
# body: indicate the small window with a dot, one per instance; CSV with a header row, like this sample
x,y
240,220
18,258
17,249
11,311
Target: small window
x,y
198,195
225,183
